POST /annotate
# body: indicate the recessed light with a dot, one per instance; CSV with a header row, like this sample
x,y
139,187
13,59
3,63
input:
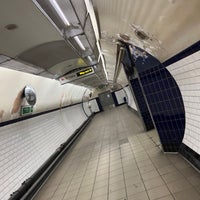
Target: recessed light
x,y
124,37
141,35
11,27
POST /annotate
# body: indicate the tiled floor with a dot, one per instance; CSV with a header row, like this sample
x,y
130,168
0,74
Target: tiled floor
x,y
115,159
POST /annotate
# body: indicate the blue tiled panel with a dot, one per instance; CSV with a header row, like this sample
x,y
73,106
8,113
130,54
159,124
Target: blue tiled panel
x,y
142,104
166,105
143,63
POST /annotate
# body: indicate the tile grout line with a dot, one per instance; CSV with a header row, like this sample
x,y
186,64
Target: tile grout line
x,y
123,171
139,171
160,175
83,176
187,179
96,170
108,175
67,186
71,180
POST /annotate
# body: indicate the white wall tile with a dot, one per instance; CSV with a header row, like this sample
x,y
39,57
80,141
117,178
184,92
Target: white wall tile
x,y
26,145
186,72
120,94
94,105
131,101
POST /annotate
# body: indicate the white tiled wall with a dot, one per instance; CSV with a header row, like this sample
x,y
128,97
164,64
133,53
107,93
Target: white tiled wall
x,y
26,145
187,75
130,99
94,106
120,94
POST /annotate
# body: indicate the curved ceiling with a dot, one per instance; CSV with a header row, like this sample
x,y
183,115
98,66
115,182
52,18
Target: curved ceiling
x,y
169,25
34,42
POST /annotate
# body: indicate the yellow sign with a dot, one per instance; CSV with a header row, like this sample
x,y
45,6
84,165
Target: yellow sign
x,y
85,71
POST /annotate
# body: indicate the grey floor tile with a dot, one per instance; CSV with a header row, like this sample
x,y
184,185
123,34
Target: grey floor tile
x,y
158,192
167,169
84,196
118,194
189,171
116,178
117,186
194,180
131,181
145,169
168,197
172,176
104,197
187,194
155,182
145,162
150,175
86,189
178,185
135,188
116,172
120,162
100,191
139,196
132,173
99,184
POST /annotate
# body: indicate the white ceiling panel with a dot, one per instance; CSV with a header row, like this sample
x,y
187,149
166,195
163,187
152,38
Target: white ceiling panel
x,y
32,27
172,25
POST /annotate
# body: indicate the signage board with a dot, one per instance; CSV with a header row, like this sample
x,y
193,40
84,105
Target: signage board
x,y
25,110
76,75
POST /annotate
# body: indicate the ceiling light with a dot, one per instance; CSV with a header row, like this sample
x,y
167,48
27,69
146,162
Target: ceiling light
x,y
79,43
89,58
60,12
141,35
11,27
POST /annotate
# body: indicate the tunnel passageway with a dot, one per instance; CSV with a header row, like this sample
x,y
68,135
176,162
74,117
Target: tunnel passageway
x,y
114,159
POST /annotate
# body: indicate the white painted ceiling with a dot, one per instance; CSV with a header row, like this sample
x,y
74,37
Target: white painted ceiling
x,y
172,26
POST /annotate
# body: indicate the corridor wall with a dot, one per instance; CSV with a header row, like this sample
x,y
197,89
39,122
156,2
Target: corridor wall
x,y
120,95
130,99
26,142
186,72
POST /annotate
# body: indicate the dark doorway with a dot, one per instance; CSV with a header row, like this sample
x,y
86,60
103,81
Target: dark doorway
x,y
106,100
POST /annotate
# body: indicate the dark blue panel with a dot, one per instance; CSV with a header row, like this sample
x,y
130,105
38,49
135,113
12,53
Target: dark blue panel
x,y
162,94
166,105
142,104
115,99
142,59
99,104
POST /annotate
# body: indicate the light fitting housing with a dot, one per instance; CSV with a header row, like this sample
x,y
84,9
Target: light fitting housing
x,y
73,23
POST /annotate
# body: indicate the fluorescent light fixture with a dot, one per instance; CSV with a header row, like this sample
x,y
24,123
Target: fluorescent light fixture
x,y
102,59
59,11
80,44
90,59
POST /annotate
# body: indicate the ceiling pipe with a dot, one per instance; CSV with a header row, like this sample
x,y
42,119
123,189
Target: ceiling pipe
x,y
118,66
